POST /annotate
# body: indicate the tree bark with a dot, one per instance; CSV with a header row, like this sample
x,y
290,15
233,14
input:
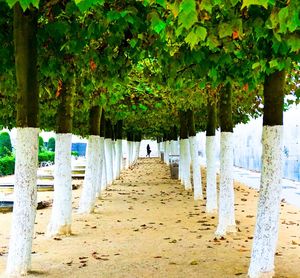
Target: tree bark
x,y
226,198
65,109
211,184
102,166
266,228
61,214
92,181
25,189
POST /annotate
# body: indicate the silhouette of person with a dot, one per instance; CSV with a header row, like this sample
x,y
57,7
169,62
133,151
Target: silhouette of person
x,y
148,151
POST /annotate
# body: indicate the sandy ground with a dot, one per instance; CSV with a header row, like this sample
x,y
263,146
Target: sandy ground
x,y
146,225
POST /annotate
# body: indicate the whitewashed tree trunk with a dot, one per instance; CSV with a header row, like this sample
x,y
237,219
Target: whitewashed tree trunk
x,y
109,161
88,194
25,202
123,162
61,216
134,148
129,153
266,228
174,147
119,157
104,172
180,161
159,149
211,183
186,163
226,195
167,152
114,156
136,151
198,195
101,172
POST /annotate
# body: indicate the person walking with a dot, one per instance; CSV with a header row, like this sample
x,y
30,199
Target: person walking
x,y
148,151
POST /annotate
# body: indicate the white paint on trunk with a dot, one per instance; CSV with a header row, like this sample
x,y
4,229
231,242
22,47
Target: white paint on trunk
x,y
123,150
108,161
226,194
211,183
119,157
25,202
174,147
186,163
88,194
61,215
104,175
180,161
266,228
137,150
198,195
129,154
101,172
114,155
167,152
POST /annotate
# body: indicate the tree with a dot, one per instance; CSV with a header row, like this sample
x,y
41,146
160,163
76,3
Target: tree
x,y
25,42
51,144
5,144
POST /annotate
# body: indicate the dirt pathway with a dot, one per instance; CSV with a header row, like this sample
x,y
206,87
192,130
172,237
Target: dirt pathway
x,y
146,225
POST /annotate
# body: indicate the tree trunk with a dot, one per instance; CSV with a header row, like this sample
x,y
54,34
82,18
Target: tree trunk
x,y
61,214
25,189
211,184
226,197
119,152
174,142
266,229
185,173
102,175
91,180
195,161
137,144
108,152
102,168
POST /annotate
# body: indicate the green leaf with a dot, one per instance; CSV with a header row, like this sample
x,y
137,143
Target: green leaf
x,y
294,42
133,42
201,32
156,23
206,5
24,3
188,14
273,63
162,3
84,5
247,3
192,39
225,30
202,84
255,65
113,15
143,107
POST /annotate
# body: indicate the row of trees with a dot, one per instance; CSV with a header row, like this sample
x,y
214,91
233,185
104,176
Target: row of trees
x,y
154,65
